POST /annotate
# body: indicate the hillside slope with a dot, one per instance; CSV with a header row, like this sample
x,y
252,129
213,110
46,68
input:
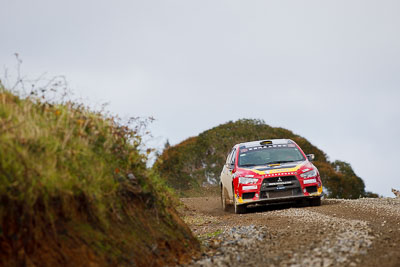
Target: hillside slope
x,y
75,191
198,161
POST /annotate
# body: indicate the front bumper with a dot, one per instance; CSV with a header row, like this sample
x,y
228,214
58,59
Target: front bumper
x,y
271,191
274,200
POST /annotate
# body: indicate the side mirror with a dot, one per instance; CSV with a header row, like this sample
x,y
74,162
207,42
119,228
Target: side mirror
x,y
231,165
310,157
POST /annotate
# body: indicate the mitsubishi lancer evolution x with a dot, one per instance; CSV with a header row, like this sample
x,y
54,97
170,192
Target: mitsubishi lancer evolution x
x,y
269,171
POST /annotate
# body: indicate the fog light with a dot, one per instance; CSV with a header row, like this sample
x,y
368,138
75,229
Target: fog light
x,y
304,190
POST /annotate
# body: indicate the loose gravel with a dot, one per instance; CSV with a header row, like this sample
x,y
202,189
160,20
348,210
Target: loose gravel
x,y
363,232
339,239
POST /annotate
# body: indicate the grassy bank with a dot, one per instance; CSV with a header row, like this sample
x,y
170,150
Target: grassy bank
x,y
74,189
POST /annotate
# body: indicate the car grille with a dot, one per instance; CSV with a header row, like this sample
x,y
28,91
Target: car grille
x,y
283,186
274,182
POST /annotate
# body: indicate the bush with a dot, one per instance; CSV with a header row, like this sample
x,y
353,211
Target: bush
x,y
199,160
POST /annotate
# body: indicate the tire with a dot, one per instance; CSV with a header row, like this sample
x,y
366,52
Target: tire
x,y
239,209
224,204
315,201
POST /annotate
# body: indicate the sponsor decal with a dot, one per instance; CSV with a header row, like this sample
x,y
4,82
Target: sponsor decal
x,y
249,187
310,181
269,173
266,146
278,174
280,183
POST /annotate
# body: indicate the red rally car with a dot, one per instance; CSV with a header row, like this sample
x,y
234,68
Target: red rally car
x,y
269,171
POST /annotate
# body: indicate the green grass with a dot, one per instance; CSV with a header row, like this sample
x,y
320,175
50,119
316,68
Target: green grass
x,y
66,152
70,174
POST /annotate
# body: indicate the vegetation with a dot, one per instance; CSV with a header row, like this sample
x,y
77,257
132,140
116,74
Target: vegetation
x,y
75,190
198,161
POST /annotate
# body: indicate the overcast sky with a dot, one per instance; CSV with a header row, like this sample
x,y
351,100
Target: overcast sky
x,y
327,70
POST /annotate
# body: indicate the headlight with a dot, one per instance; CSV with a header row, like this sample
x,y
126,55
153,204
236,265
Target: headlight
x,y
309,174
244,180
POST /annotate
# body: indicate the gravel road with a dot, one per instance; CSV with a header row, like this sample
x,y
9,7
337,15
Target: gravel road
x,y
363,232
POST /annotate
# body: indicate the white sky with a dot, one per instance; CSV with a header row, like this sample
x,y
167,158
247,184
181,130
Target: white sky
x,y
327,70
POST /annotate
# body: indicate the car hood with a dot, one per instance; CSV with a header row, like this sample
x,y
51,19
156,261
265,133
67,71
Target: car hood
x,y
277,168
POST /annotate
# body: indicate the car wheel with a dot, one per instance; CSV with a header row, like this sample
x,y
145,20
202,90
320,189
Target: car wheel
x,y
239,209
225,206
315,201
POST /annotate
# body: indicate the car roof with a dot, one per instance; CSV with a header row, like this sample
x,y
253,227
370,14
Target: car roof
x,y
266,141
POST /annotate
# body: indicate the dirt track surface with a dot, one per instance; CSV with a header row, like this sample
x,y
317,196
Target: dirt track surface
x,y
364,232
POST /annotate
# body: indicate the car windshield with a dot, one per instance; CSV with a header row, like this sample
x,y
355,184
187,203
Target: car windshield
x,y
269,155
